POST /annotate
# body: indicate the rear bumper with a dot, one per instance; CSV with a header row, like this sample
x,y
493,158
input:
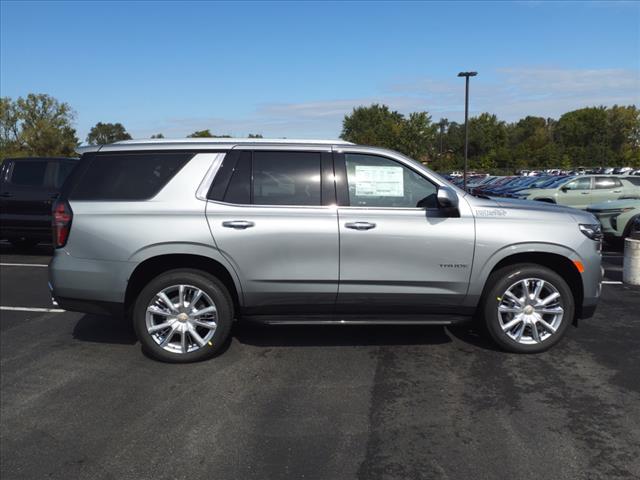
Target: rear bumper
x,y
87,285
88,306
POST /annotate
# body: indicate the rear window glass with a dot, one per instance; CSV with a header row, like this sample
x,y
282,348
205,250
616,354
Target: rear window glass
x,y
29,173
607,182
64,169
126,176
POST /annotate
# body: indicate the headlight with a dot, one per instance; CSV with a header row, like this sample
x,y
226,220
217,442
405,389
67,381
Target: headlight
x,y
594,232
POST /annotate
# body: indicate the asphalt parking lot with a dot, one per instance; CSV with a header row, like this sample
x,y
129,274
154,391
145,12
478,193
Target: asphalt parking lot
x,y
80,400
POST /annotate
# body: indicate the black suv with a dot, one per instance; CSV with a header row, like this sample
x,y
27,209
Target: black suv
x,y
28,187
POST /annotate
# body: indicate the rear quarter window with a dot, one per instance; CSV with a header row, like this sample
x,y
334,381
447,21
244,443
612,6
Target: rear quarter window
x,y
125,176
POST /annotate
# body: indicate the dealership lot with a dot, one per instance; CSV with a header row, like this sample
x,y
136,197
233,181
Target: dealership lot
x,y
80,400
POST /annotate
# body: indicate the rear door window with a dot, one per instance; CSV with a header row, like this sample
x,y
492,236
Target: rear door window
x,y
126,176
29,173
272,178
286,178
582,183
607,182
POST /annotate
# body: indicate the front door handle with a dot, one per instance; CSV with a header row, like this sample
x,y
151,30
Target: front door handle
x,y
238,224
6,194
360,225
585,193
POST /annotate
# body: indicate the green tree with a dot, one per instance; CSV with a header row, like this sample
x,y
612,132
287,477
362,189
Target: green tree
x,y
623,134
36,125
377,125
157,135
104,133
531,143
254,135
10,141
201,134
582,135
206,134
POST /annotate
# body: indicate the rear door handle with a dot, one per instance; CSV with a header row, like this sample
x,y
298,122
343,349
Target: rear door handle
x,y
238,224
585,193
360,225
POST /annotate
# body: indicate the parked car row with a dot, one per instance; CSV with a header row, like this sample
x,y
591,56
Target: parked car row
x,y
582,171
615,200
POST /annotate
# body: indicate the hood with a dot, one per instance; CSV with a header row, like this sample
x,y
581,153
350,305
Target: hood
x,y
579,216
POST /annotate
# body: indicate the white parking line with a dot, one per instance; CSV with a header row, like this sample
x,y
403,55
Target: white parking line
x,y
23,265
612,282
32,309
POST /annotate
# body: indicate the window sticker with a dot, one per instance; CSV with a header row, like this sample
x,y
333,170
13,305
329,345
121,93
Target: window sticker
x,y
374,181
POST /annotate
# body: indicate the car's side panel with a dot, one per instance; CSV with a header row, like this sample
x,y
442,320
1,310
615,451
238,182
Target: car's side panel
x,y
287,260
503,231
109,239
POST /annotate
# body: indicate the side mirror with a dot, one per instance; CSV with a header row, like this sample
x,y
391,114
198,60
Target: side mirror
x,y
564,189
447,198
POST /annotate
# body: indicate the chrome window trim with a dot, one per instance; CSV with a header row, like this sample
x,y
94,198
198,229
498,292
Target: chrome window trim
x,y
314,207
275,147
395,209
205,184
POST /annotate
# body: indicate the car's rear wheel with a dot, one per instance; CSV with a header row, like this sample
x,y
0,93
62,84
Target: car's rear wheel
x,y
527,308
183,316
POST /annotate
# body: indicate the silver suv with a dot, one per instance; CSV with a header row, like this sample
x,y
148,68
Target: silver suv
x,y
188,236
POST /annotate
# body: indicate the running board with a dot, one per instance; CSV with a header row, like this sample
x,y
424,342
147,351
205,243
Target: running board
x,y
357,319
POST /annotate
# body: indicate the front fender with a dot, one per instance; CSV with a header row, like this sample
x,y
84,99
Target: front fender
x,y
482,267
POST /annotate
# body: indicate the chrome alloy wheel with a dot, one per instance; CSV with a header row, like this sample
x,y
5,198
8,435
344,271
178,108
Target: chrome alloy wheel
x,y
530,311
181,318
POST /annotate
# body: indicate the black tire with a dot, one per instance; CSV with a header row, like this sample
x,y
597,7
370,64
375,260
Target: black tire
x,y
627,229
212,287
24,243
497,285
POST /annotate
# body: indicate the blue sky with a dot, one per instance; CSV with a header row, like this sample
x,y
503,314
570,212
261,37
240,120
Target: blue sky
x,y
294,69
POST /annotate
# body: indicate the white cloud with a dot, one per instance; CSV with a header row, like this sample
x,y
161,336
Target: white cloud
x,y
511,93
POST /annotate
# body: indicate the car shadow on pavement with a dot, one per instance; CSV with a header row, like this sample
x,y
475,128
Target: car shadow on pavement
x,y
338,335
118,330
470,333
104,329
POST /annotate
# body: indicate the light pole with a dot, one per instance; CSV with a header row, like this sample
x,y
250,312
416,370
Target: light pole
x,y
466,123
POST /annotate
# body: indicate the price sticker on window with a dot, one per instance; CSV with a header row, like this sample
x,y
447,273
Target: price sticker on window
x,y
375,181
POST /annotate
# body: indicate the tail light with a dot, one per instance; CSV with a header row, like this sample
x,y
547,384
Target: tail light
x,y
61,223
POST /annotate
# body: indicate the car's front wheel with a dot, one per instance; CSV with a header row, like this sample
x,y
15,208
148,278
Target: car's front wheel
x,y
183,316
527,308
